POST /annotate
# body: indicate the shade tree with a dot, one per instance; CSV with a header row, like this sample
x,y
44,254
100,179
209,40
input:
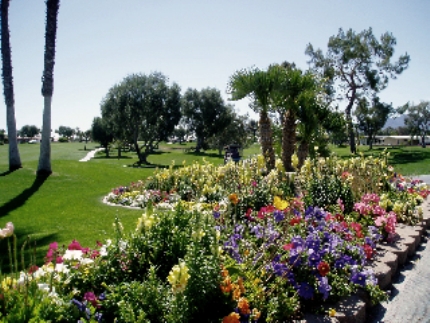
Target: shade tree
x,y
372,116
417,119
205,114
29,131
101,133
142,108
358,65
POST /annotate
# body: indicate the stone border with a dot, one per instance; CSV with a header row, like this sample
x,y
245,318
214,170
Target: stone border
x,y
389,258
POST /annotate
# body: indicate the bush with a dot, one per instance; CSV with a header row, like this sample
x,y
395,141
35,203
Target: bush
x,y
63,139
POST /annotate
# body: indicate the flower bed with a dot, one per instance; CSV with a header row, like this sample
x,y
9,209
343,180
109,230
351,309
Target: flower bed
x,y
226,244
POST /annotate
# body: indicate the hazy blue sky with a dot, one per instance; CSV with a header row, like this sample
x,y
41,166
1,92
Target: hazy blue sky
x,y
196,43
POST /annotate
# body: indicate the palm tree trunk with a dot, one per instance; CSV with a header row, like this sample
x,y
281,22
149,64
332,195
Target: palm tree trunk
x,y
266,138
14,157
52,6
288,140
44,168
302,152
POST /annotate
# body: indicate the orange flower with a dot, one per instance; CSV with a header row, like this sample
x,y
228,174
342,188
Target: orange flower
x,y
233,198
243,306
231,318
226,285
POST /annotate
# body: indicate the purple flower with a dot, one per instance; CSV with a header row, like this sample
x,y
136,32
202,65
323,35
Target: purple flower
x,y
323,287
359,279
258,230
216,214
305,290
314,258
278,216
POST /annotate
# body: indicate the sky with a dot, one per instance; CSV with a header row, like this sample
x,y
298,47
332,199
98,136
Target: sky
x,y
196,44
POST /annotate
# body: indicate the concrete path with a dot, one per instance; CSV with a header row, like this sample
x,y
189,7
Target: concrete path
x,y
90,155
410,292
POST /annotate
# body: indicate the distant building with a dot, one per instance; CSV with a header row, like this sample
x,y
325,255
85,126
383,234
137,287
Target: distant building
x,y
395,140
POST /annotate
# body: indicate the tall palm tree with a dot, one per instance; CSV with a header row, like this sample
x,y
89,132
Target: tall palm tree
x,y
293,98
52,6
258,85
14,157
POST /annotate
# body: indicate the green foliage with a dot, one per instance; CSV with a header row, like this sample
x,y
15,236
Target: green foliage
x,y
142,107
29,131
63,139
326,191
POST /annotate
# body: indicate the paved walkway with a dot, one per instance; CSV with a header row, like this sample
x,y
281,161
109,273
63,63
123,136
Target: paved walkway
x,y
410,292
90,155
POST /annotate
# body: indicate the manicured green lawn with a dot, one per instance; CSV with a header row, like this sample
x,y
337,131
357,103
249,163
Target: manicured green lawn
x,y
68,204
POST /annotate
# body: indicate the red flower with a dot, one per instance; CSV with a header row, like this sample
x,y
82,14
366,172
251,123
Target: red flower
x,y
295,220
323,268
287,246
368,250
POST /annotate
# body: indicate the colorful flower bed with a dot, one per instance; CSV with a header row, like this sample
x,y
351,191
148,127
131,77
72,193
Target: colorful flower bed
x,y
233,243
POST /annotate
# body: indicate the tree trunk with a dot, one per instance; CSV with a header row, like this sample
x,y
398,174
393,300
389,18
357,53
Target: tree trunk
x,y
348,111
266,139
288,139
370,139
44,167
14,157
52,6
302,152
199,144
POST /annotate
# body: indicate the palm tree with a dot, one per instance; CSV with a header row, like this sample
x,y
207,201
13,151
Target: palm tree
x,y
52,6
14,157
293,99
259,86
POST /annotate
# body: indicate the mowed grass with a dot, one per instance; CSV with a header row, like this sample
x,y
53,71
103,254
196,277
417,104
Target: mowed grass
x,y
68,204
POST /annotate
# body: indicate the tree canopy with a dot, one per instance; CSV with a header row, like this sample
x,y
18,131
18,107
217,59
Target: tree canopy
x,y
29,131
417,119
142,108
101,133
371,117
205,113
357,64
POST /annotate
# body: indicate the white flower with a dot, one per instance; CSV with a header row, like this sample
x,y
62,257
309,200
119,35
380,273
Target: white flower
x,y
73,255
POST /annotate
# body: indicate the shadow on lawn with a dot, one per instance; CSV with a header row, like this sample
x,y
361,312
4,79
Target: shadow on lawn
x,y
19,200
29,250
405,156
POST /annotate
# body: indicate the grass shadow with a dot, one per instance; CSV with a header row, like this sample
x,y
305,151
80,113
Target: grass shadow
x,y
410,156
112,157
30,250
203,154
19,200
7,172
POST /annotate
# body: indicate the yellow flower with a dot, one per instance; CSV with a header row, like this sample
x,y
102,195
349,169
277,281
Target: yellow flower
x,y
331,312
178,277
279,203
294,160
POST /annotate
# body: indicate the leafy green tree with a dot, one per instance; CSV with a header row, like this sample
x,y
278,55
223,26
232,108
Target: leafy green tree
x,y
66,131
29,131
86,135
44,168
335,125
235,132
14,157
417,119
180,133
205,114
101,133
142,108
372,118
358,65
259,86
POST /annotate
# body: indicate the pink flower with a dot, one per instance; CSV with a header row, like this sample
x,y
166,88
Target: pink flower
x,y
75,245
91,297
53,246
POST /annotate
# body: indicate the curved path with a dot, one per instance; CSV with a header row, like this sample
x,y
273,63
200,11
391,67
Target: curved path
x,y
90,155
